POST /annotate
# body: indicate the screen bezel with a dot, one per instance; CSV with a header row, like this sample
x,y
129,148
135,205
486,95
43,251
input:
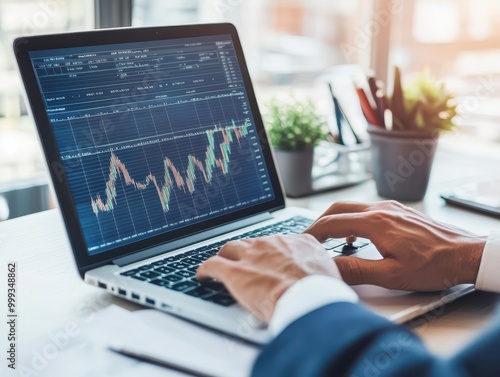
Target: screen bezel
x,y
84,261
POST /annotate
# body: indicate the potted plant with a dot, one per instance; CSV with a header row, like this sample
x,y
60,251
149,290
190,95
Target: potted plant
x,y
402,155
294,129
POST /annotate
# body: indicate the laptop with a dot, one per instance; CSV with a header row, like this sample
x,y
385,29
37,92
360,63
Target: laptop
x,y
158,156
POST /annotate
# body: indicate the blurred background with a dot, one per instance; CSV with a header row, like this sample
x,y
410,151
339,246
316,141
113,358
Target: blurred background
x,y
288,44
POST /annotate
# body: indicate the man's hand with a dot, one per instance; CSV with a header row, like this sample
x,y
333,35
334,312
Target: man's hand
x,y
418,253
258,271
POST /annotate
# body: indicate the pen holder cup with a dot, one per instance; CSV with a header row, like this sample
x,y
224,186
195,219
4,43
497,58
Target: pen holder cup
x,y
401,162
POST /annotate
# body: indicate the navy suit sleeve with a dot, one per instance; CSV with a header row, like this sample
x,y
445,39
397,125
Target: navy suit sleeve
x,y
345,339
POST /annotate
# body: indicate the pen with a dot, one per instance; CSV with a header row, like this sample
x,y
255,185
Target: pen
x,y
368,111
381,100
372,82
162,363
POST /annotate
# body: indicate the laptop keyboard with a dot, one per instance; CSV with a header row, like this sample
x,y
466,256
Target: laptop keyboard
x,y
179,272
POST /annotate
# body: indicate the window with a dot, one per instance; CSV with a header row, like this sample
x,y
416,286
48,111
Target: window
x,y
285,41
459,41
21,166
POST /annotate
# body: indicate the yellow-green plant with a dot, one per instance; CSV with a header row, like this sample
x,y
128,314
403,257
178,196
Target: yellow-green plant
x,y
295,125
424,104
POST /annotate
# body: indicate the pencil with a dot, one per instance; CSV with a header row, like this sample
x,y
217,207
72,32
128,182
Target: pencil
x,y
381,100
159,362
372,82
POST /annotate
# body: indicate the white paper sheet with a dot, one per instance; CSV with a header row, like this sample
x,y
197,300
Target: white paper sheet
x,y
148,332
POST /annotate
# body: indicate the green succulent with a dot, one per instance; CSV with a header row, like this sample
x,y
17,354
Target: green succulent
x,y
294,125
422,105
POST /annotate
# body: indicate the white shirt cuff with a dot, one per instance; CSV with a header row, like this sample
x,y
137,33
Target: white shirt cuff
x,y
487,277
307,295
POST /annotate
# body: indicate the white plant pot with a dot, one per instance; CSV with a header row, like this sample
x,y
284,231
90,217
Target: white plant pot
x,y
295,168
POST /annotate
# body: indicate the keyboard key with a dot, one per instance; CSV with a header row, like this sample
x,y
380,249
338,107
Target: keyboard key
x,y
212,284
138,277
160,282
172,278
193,269
164,270
200,257
203,248
182,286
224,291
178,265
192,261
208,255
146,267
190,252
150,274
185,273
224,300
278,229
130,272
201,292
159,263
174,258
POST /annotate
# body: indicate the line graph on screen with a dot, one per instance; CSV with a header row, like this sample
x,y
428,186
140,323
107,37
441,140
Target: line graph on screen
x,y
174,178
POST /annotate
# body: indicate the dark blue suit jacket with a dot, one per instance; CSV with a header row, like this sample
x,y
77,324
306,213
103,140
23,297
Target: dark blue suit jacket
x,y
345,339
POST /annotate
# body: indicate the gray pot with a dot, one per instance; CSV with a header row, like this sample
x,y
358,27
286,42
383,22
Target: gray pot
x,y
295,168
402,162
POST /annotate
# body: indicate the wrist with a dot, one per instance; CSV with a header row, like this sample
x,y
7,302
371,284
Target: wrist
x,y
275,294
470,259
306,295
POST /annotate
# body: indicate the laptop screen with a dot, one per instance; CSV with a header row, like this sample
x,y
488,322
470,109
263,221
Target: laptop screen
x,y
154,136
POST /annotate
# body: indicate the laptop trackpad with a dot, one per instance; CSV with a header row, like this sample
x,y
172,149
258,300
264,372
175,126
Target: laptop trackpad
x,y
339,246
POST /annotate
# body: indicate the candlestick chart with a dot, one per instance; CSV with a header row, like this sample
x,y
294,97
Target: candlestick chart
x,y
173,178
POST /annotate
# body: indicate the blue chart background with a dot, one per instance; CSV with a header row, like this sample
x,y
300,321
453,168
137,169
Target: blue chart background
x,y
142,127
139,211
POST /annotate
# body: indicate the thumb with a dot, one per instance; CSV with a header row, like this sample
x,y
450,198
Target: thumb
x,y
355,271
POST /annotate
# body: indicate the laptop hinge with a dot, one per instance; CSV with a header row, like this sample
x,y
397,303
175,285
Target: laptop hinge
x,y
198,237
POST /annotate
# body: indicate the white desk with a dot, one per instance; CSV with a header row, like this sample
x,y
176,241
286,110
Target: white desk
x,y
51,293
